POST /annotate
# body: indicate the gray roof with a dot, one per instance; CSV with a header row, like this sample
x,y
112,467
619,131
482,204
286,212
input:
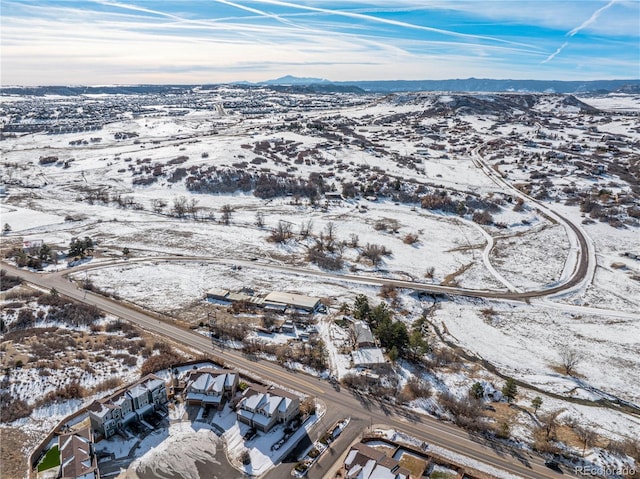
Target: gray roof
x,y
292,299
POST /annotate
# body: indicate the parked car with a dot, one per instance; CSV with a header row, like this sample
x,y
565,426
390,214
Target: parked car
x,y
553,464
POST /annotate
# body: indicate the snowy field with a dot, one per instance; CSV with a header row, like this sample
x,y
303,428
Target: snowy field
x,y
122,193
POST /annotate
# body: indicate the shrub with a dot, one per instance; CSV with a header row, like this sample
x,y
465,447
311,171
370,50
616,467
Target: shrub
x,y
47,160
108,384
482,217
8,281
324,260
72,390
160,361
388,291
375,252
12,408
418,388
410,238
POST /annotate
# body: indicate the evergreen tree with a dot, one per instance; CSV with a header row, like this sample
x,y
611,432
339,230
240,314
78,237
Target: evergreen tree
x,y
45,253
76,248
536,402
476,391
80,248
88,245
379,314
510,389
394,354
418,346
361,308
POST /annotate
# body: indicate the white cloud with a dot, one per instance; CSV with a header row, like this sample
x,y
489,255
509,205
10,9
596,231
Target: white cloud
x,y
131,44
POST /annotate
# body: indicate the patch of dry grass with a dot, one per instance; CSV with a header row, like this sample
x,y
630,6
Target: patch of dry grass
x,y
414,464
13,441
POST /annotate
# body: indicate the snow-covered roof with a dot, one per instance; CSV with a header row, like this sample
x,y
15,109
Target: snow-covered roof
x,y
253,402
284,404
367,356
262,420
271,404
202,383
204,398
363,332
154,384
291,299
137,391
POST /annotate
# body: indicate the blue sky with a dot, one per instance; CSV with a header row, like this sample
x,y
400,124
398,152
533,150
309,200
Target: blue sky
x,y
46,42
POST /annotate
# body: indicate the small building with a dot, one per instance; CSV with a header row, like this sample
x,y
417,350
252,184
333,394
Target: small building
x,y
77,455
333,195
217,295
368,357
288,327
291,300
365,462
363,335
263,407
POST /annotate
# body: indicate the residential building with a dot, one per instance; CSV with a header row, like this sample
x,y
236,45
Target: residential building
x,y
363,335
291,300
125,405
210,386
77,456
368,357
263,407
365,462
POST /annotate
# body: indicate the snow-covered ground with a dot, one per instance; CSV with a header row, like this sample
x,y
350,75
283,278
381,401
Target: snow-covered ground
x,y
409,140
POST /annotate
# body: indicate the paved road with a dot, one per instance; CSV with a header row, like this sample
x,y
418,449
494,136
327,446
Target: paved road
x,y
339,403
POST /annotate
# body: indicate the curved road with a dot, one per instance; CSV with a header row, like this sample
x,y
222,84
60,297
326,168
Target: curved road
x,y
582,269
338,403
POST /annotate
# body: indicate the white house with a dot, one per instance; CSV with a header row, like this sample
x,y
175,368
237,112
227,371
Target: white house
x,y
263,407
209,386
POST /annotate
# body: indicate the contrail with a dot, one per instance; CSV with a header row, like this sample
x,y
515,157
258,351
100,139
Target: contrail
x,y
582,26
592,19
553,55
373,18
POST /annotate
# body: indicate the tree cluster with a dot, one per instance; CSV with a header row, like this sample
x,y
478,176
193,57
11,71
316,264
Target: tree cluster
x,y
32,257
80,248
393,335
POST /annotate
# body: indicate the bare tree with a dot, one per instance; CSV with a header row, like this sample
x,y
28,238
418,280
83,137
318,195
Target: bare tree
x,y
375,252
260,219
192,207
158,205
570,359
353,240
281,233
305,229
587,437
331,231
179,206
549,424
227,210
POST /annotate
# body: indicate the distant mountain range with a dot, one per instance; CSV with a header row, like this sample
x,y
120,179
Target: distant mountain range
x,y
319,85
469,85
